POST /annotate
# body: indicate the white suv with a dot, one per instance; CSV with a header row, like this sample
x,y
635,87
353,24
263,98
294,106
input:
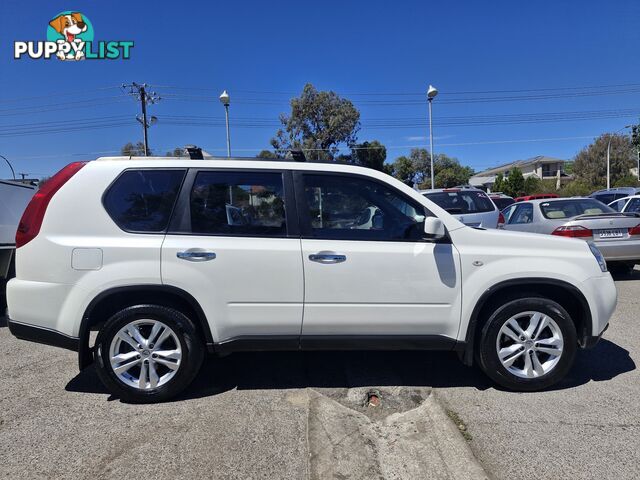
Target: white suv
x,y
170,258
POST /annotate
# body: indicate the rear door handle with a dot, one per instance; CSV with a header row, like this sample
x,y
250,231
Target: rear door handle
x,y
327,257
196,255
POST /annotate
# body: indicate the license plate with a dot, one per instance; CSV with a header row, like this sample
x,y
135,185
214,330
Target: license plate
x,y
611,233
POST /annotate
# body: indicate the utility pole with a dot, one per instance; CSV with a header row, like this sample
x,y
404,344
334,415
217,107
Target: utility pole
x,y
139,92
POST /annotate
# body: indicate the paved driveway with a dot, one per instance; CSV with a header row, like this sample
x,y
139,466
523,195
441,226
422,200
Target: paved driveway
x,y
261,415
588,427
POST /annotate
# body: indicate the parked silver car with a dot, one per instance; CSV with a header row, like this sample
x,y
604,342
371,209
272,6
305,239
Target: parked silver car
x,y
469,205
617,235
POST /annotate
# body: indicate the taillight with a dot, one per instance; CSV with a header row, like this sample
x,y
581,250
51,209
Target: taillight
x,y
635,230
501,220
573,231
33,215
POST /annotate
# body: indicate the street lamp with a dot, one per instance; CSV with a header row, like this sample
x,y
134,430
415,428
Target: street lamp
x,y
224,99
431,94
609,154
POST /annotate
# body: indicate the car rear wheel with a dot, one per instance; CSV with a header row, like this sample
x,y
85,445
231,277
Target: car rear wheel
x,y
148,353
528,344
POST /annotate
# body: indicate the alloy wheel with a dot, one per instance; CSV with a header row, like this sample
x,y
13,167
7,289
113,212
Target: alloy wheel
x,y
529,344
145,354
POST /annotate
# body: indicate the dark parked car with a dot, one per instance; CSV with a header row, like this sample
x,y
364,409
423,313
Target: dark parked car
x,y
501,200
607,196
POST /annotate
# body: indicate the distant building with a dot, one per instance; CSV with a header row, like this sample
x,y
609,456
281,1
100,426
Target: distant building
x,y
544,168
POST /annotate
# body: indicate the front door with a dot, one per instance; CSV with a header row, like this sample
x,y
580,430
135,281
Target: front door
x,y
368,269
232,246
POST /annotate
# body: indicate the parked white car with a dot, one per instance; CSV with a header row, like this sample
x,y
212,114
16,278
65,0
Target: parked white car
x,y
144,251
14,197
627,204
470,205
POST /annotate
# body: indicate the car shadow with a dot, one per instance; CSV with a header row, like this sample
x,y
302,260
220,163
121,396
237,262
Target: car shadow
x,y
624,274
288,370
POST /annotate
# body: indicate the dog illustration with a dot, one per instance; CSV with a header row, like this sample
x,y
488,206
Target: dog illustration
x,y
69,25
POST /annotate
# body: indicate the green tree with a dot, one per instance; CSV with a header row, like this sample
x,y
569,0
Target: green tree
x,y
576,188
404,170
413,169
369,154
498,183
319,122
590,164
134,150
531,185
267,154
449,172
416,169
514,183
626,181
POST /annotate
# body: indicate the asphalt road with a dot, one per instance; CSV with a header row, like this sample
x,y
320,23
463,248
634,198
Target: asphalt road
x,y
293,415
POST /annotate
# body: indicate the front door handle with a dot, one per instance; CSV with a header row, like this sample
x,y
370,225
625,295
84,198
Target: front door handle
x,y
327,257
196,255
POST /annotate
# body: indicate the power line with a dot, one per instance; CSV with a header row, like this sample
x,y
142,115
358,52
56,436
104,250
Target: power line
x,y
487,95
74,93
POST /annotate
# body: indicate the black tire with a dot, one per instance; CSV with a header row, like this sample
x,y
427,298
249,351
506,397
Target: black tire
x,y
192,353
487,352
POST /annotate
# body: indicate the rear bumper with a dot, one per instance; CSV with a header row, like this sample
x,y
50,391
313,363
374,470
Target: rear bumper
x,y
43,335
619,250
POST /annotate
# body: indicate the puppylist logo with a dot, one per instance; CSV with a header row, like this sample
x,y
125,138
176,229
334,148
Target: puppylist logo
x,y
70,36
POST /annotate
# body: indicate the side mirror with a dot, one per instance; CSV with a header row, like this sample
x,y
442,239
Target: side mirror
x,y
434,228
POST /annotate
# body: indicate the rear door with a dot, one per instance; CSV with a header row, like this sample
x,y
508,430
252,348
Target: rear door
x,y
369,272
233,244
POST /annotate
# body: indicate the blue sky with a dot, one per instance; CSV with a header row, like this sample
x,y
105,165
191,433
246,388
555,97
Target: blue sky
x,y
263,52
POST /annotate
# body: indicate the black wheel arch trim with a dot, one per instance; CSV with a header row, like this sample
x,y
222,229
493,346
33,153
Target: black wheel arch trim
x,y
466,355
85,354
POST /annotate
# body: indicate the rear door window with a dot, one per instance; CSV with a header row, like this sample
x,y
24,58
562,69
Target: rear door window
x,y
522,214
142,200
462,201
238,204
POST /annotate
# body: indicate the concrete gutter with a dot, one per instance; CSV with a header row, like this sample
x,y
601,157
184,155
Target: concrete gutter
x,y
421,442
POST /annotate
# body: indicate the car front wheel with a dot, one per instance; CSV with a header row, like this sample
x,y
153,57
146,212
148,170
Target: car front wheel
x,y
148,353
528,344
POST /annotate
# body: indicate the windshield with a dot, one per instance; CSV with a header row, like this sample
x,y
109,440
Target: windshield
x,y
573,207
462,201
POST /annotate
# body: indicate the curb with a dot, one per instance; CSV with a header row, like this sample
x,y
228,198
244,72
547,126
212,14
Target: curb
x,y
456,452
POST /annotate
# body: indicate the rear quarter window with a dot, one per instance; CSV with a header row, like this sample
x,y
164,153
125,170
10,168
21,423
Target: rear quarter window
x,y
142,200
